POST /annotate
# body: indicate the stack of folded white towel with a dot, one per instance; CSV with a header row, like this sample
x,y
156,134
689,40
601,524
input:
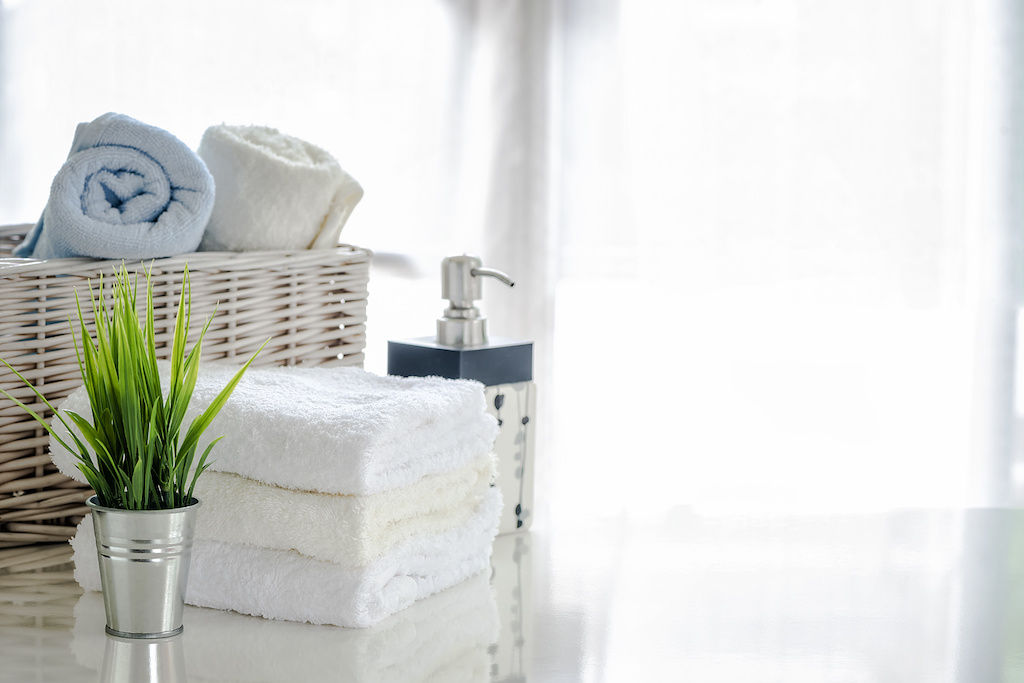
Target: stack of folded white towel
x,y
336,497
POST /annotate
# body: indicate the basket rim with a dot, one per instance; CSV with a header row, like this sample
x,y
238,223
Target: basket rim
x,y
13,265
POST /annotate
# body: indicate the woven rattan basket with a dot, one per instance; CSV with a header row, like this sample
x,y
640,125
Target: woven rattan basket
x,y
311,303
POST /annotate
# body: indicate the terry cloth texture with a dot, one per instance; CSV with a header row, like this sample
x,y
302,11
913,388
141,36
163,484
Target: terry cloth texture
x,y
330,430
280,584
127,190
352,531
274,191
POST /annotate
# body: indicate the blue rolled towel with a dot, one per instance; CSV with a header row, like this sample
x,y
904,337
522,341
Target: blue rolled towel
x,y
127,190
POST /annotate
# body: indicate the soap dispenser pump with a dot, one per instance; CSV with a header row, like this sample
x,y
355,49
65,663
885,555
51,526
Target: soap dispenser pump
x,y
462,349
462,324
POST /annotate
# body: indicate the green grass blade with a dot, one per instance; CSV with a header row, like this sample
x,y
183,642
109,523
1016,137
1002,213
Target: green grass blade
x,y
182,319
200,468
137,481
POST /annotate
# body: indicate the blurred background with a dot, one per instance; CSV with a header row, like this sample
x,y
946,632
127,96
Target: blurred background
x,y
769,250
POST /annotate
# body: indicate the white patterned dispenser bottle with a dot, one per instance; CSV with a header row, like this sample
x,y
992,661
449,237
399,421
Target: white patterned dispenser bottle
x,y
463,350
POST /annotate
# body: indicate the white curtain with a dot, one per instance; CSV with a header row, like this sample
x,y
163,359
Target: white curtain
x,y
790,253
769,252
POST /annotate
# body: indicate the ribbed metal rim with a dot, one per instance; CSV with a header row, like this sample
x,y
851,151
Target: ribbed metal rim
x,y
92,503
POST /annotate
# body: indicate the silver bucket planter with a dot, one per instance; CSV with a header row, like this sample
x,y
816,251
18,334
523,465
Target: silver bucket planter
x,y
144,558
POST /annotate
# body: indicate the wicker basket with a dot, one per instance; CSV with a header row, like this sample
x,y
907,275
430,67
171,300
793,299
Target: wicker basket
x,y
311,303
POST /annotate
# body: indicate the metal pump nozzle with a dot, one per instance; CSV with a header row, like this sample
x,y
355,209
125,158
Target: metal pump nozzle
x,y
461,284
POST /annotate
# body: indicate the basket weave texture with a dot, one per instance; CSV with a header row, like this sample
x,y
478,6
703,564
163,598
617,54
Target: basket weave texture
x,y
312,304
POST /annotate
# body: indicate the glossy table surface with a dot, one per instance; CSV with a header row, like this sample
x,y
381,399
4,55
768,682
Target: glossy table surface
x,y
902,596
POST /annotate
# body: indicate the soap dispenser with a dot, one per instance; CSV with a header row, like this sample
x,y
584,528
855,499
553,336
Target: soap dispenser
x,y
462,349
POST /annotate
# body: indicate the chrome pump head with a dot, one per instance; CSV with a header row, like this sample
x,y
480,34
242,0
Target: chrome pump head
x,y
461,284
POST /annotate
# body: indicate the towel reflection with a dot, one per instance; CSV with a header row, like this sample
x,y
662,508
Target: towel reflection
x,y
442,638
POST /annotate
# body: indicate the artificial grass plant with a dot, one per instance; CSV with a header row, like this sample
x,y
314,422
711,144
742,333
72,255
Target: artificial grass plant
x,y
142,461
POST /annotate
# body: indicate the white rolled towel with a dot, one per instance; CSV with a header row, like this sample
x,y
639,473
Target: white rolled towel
x,y
274,191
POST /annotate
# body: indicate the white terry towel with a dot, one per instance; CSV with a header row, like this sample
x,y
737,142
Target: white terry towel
x,y
330,430
274,191
443,638
351,531
279,584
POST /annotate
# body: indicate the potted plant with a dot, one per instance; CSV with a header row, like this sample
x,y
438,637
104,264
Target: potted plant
x,y
141,466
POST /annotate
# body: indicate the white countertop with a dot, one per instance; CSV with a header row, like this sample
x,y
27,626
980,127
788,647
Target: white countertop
x,y
903,596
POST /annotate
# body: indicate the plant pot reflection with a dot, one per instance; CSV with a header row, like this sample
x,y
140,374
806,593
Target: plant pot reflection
x,y
130,660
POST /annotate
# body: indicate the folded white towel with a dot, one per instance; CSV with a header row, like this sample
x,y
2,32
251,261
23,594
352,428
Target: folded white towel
x,y
127,190
280,584
443,638
331,430
352,531
274,191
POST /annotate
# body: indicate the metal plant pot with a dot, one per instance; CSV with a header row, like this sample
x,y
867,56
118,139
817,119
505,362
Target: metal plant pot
x,y
144,557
